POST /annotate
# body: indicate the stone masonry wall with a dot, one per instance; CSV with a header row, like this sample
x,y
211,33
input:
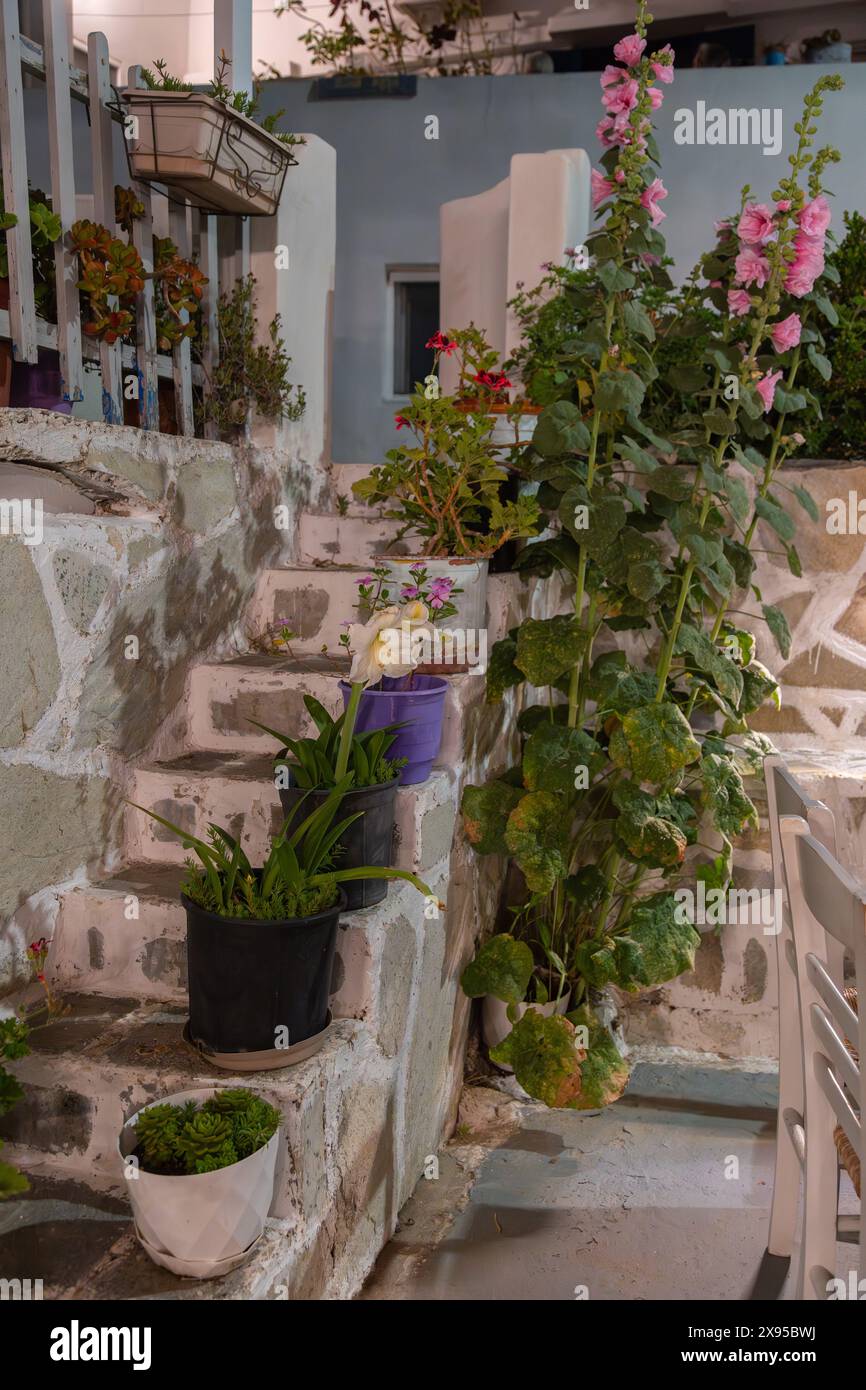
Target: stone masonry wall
x,y
100,623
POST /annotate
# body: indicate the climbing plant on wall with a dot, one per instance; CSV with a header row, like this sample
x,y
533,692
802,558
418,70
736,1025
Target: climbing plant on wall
x,y
656,477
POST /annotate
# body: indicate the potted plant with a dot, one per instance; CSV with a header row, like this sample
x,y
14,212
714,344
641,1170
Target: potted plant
x,y
261,942
206,146
112,276
630,791
249,374
200,1169
33,385
445,487
306,778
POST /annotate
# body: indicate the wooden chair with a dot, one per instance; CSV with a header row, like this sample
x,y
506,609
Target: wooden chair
x,y
785,797
828,918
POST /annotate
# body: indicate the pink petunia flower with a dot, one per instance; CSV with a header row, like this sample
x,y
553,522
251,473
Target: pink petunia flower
x,y
756,226
751,268
814,218
786,334
629,50
739,302
602,188
650,199
766,389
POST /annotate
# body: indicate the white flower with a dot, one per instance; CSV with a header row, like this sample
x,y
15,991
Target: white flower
x,y
391,644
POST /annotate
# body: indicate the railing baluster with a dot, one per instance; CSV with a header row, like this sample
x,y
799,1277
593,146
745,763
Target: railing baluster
x,y
101,136
209,259
181,355
63,195
145,313
22,305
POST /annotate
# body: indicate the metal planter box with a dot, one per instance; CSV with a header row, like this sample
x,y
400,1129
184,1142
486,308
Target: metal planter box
x,y
204,152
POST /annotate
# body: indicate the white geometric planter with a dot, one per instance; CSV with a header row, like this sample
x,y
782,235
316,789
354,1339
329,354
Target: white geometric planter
x,y
200,1224
496,1025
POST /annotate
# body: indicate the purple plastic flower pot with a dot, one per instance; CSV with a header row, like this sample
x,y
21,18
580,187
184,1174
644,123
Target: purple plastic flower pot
x,y
421,708
37,386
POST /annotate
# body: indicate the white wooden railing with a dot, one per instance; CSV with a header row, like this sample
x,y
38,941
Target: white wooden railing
x,y
194,233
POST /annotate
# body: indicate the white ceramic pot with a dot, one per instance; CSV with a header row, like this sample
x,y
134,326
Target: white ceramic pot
x,y
496,1025
468,575
200,1224
218,159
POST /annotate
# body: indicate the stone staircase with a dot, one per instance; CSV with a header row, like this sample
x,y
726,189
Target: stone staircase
x,y
360,1117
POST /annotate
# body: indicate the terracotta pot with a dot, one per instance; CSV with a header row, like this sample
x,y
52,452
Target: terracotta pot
x,y
200,1224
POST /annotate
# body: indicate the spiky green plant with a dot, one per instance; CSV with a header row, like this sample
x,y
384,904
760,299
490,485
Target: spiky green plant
x,y
186,1139
314,760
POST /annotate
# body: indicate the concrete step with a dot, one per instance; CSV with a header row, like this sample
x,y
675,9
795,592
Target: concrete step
x,y
353,540
125,936
237,791
314,601
343,475
225,696
89,1070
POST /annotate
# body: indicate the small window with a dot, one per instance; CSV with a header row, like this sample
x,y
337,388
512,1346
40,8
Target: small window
x,y
413,319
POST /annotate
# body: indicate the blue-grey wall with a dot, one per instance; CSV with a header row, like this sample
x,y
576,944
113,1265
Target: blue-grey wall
x,y
391,182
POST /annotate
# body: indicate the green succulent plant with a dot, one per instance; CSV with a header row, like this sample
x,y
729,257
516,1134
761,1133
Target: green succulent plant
x,y
186,1139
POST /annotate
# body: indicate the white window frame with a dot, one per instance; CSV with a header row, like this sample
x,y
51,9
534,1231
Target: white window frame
x,y
399,275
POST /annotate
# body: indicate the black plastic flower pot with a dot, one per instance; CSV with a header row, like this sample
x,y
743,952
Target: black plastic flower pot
x,y
258,986
367,841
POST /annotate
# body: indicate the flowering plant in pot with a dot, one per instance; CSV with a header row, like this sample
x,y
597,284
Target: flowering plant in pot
x,y
446,487
260,942
27,384
200,1169
307,770
629,792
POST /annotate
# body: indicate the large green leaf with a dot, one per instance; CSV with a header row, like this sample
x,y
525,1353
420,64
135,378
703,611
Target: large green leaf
x,y
655,743
614,685
501,670
538,836
545,1060
485,814
725,796
655,945
707,657
649,838
604,1071
770,511
778,625
619,391
560,430
553,755
758,687
502,967
548,647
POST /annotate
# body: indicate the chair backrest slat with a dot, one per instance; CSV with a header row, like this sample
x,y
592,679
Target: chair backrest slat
x,y
835,1001
835,1051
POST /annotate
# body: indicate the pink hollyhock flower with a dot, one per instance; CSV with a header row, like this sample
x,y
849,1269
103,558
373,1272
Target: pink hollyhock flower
x,y
723,226
814,218
784,205
739,302
656,96
807,265
751,268
786,334
755,226
766,389
602,188
622,98
664,72
650,199
649,259
611,75
715,284
629,50
603,131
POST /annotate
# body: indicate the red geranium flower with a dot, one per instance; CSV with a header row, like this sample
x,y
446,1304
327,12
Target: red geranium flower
x,y
400,421
439,343
499,382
